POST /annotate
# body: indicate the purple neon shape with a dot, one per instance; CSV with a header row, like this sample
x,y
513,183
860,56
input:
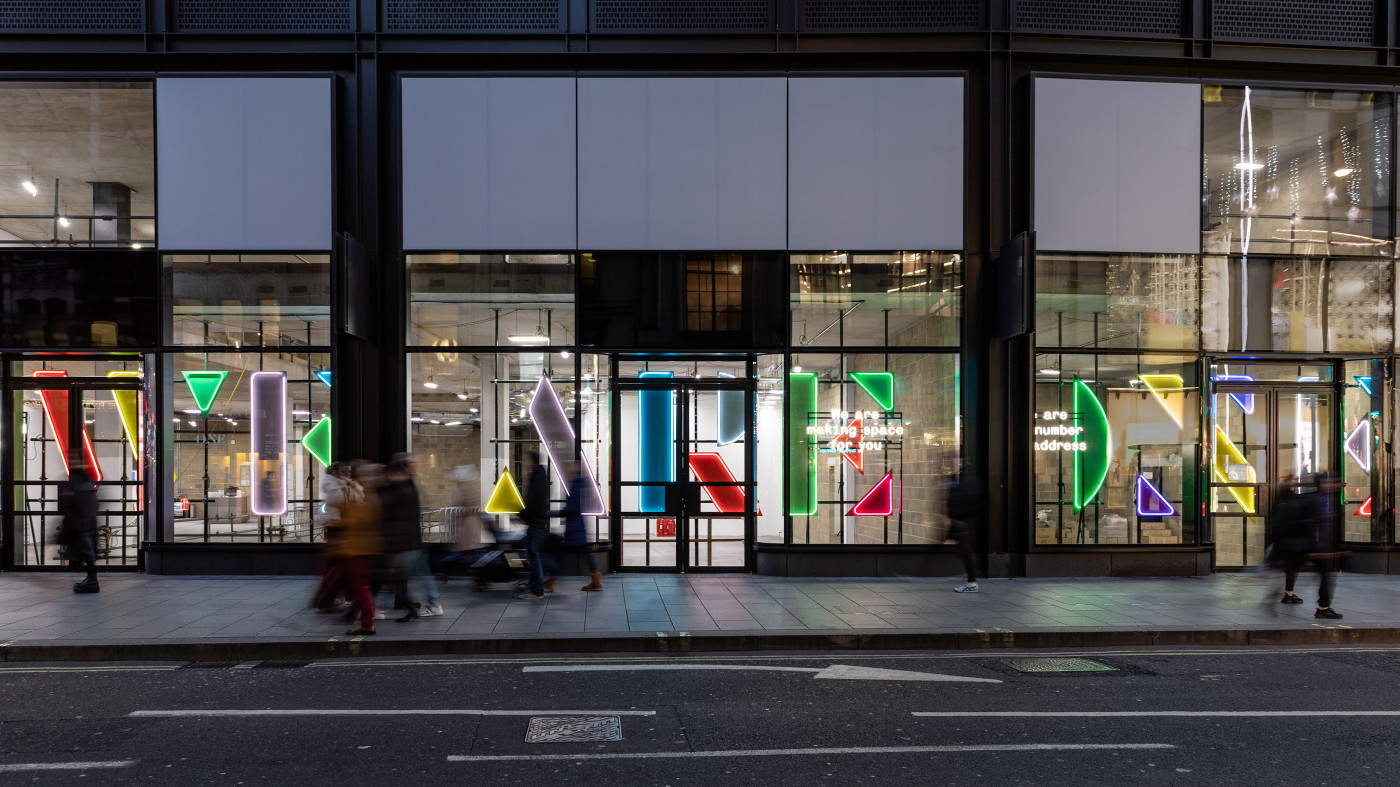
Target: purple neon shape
x,y
1150,501
557,435
1245,401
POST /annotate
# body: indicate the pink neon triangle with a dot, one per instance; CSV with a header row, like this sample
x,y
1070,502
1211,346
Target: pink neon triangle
x,y
878,501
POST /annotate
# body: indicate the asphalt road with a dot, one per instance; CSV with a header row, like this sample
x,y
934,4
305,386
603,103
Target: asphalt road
x,y
1268,716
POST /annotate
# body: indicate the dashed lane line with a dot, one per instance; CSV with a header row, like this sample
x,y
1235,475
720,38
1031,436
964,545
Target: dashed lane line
x,y
229,712
22,767
886,750
1118,714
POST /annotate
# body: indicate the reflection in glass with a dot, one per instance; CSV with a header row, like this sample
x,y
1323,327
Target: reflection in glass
x,y
248,300
1257,303
465,300
909,299
1127,300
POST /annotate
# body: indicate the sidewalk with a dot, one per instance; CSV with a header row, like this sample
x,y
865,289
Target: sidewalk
x,y
138,616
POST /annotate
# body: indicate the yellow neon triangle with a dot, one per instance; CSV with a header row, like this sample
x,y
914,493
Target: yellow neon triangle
x,y
1162,384
128,407
505,498
1225,449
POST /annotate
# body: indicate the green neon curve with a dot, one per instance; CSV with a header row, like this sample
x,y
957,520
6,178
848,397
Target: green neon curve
x,y
802,450
1091,464
317,440
204,386
880,386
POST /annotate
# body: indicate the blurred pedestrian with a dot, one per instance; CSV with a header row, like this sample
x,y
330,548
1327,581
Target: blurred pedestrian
x,y
468,502
536,516
77,532
963,497
358,543
338,490
1322,550
575,529
404,536
1290,521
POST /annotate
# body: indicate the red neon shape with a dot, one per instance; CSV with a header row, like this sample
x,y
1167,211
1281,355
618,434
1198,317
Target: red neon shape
x,y
710,468
878,501
847,436
56,411
1365,509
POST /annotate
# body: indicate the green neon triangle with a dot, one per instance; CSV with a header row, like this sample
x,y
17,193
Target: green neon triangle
x,y
317,440
880,386
505,498
204,386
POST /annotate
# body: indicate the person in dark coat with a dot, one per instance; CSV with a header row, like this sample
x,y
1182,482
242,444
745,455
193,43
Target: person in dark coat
x,y
536,517
403,537
77,503
965,505
575,528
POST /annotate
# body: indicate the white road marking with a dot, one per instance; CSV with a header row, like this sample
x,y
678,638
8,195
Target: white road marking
x,y
1031,714
678,755
19,767
186,713
833,672
32,670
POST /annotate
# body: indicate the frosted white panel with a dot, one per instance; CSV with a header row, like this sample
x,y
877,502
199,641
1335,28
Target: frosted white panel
x,y
488,163
875,163
243,164
681,164
1117,166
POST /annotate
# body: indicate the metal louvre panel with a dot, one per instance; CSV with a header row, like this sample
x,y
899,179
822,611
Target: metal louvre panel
x,y
237,15
1142,17
59,15
637,16
501,15
1322,21
822,15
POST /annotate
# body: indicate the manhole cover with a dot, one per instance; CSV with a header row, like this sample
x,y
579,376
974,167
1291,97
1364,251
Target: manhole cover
x,y
1057,665
573,729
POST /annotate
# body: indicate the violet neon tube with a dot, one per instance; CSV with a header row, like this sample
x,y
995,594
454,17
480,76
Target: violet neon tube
x,y
557,435
269,393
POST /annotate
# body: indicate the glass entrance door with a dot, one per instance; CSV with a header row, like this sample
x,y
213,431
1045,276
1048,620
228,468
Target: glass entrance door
x,y
684,495
54,420
1263,438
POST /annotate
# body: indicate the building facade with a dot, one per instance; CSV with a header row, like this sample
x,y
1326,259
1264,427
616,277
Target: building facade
x,y
768,270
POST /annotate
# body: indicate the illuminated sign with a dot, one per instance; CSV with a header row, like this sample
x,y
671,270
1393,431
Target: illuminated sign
x,y
1059,432
1358,445
802,450
505,498
56,412
269,426
1090,463
1226,450
1365,508
655,458
880,386
718,482
204,386
879,501
1151,501
557,435
324,376
731,423
1161,386
129,408
317,441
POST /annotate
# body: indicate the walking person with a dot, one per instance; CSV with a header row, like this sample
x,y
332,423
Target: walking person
x,y
1292,535
963,497
536,516
358,543
402,513
338,489
575,529
77,533
1323,553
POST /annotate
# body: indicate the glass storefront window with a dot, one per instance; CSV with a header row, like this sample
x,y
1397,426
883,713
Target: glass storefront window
x,y
1114,441
248,300
1360,311
77,163
908,299
252,433
1297,172
1259,304
489,300
1361,447
869,436
1122,300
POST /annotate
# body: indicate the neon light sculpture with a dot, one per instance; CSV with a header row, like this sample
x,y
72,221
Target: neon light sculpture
x,y
269,425
880,386
710,468
204,386
324,376
56,413
655,458
1245,401
557,435
1358,444
802,449
730,423
1151,501
129,408
854,433
879,501
317,441
1365,383
1159,384
1225,450
505,498
1365,508
1091,464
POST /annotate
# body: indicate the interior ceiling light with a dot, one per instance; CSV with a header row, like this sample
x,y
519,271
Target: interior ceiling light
x,y
453,423
63,221
1342,172
1055,372
429,382
1249,166
31,188
136,246
536,338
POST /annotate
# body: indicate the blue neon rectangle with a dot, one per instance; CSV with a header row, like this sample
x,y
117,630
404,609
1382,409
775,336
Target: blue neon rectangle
x,y
656,457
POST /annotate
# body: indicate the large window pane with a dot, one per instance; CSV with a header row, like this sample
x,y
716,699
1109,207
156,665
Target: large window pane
x,y
1360,315
77,163
1127,300
1256,303
1297,172
78,298
910,299
466,300
248,300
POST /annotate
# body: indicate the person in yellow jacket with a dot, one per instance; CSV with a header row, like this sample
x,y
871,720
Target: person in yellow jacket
x,y
357,543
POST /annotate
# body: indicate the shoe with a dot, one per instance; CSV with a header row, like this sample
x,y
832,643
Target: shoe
x,y
595,582
86,586
1328,613
1291,598
410,617
432,611
549,585
381,615
360,630
970,587
529,596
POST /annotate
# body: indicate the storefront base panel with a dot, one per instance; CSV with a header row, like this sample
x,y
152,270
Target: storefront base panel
x,y
1373,562
233,559
1115,563
780,562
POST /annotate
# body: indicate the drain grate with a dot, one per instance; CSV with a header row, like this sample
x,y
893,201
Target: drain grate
x,y
573,729
1057,665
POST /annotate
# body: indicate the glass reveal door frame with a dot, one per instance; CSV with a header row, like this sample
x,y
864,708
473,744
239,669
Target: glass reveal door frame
x,y
25,539
1272,399
685,494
